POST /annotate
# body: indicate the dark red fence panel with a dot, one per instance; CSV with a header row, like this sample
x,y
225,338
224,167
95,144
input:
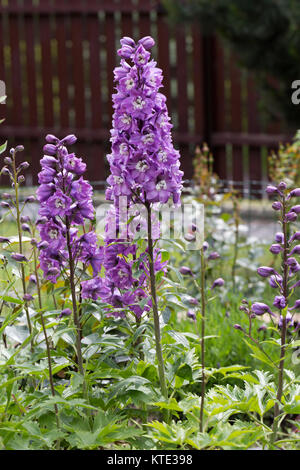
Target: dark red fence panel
x,y
57,59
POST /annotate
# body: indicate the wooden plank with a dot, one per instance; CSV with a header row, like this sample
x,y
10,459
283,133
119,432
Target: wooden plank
x,y
126,19
255,160
182,101
62,68
2,67
46,68
144,23
95,76
198,83
78,69
16,111
236,121
218,107
110,60
31,70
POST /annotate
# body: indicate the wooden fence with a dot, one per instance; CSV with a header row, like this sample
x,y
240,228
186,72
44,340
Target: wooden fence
x,y
57,59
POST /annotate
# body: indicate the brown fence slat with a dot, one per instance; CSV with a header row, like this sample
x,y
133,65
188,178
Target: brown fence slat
x,y
46,65
78,69
236,121
31,70
62,69
198,83
110,59
15,100
163,38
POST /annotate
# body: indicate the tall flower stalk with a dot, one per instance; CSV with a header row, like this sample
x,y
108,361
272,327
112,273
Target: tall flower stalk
x,y
144,164
284,283
66,210
14,171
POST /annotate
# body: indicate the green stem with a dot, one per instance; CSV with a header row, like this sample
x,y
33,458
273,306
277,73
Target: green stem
x,y
203,305
18,217
45,335
283,329
159,355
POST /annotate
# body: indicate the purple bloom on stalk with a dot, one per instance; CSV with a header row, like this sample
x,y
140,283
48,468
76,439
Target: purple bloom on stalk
x,y
294,193
144,163
4,240
279,237
19,257
291,216
218,283
94,289
271,189
275,249
265,271
296,236
296,305
185,271
191,314
65,203
213,255
280,302
27,297
295,250
260,308
296,209
277,206
275,281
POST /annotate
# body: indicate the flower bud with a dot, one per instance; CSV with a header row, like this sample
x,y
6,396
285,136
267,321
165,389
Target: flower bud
x,y
276,206
296,209
238,327
32,278
294,193
19,148
275,249
4,205
271,189
7,160
43,245
218,283
21,179
191,314
185,271
125,52
27,297
291,216
30,199
279,237
4,240
265,271
213,255
65,313
263,327
279,302
147,42
127,41
25,228
19,257
282,186
260,308
25,219
50,149
51,139
69,140
23,166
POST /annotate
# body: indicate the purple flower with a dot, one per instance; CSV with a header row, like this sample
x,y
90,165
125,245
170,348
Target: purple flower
x,y
94,289
19,257
296,209
191,314
213,255
66,312
4,240
27,297
291,216
296,305
279,237
260,308
265,271
143,162
275,281
294,193
185,271
295,250
277,206
271,189
218,283
280,302
275,249
296,236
